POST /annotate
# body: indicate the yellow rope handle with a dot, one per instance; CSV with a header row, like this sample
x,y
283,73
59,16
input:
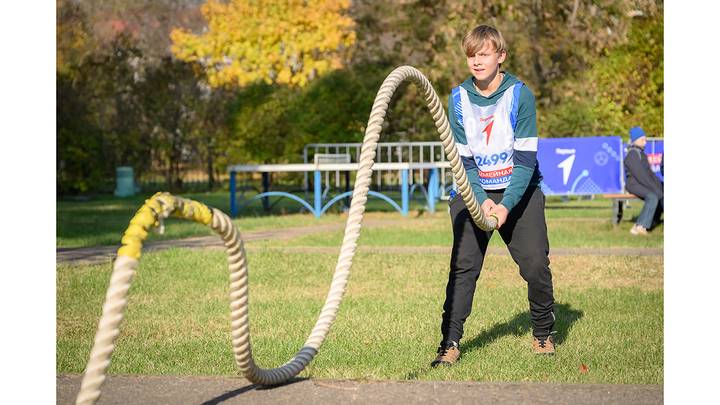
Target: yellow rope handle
x,y
162,205
150,215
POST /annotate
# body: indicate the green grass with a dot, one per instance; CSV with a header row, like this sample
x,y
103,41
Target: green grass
x,y
435,231
609,309
576,223
609,317
102,221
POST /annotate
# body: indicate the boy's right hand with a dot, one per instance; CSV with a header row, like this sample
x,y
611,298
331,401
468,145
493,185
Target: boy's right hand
x,y
486,206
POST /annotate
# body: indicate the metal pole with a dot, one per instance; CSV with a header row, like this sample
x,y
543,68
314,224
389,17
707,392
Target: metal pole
x,y
305,174
347,188
266,187
318,194
405,193
233,202
432,189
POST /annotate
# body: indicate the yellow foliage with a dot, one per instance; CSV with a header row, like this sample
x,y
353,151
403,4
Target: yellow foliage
x,y
73,42
289,42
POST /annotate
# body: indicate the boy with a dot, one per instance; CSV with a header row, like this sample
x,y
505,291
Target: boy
x,y
641,181
492,115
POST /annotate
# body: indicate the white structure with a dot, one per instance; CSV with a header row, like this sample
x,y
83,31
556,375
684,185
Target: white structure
x,y
387,152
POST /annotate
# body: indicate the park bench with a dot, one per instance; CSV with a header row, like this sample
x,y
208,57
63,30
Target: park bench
x,y
619,201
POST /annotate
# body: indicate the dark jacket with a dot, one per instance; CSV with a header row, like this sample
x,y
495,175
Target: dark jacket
x,y
639,177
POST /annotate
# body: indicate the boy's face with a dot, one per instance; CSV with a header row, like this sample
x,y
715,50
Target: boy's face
x,y
486,62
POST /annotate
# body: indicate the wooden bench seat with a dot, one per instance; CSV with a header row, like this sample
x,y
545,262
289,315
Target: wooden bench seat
x,y
618,203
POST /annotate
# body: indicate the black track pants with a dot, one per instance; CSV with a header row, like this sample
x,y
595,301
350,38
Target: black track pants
x,y
525,234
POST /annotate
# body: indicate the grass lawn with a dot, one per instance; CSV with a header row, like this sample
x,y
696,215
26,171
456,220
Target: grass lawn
x,y
103,220
576,223
609,309
609,318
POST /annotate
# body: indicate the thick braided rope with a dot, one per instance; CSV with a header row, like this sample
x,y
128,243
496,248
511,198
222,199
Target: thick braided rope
x,y
162,205
377,115
150,215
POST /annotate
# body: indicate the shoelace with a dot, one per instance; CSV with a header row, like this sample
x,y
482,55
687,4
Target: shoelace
x,y
443,350
542,340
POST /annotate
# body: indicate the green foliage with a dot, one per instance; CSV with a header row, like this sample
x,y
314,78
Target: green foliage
x,y
623,89
260,124
120,105
79,142
272,124
335,107
99,121
79,139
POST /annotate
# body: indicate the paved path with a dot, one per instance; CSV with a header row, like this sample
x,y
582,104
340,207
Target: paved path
x,y
100,254
105,254
492,250
129,390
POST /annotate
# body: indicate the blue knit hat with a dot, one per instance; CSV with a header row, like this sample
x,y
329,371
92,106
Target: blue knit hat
x,y
636,133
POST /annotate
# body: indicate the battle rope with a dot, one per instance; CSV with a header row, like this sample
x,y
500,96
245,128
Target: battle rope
x,y
162,205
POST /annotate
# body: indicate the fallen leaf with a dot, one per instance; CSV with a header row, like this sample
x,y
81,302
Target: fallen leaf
x,y
583,368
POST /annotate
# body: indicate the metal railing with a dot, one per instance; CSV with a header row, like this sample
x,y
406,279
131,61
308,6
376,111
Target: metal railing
x,y
387,152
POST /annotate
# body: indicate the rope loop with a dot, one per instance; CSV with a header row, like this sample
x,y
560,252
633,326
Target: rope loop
x,y
162,205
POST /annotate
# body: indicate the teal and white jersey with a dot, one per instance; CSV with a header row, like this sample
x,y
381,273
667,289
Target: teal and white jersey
x,y
490,134
496,136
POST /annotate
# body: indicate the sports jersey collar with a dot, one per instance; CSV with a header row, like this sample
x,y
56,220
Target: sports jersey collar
x,y
507,81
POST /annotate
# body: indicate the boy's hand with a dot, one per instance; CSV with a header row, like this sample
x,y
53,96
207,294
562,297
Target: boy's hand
x,y
486,206
501,213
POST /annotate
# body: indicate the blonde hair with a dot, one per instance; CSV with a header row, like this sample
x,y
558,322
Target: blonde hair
x,y
475,39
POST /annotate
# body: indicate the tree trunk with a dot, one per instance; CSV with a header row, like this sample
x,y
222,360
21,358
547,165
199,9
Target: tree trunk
x,y
210,171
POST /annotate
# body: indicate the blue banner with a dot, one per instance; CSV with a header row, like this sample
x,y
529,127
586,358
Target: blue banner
x,y
577,166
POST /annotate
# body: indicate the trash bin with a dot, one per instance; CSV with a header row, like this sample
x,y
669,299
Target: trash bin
x,y
125,182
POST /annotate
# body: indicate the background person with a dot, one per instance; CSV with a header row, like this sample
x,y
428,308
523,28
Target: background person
x,y
642,182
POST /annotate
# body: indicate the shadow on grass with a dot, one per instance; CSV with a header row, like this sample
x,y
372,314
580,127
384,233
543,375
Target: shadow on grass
x,y
519,325
232,394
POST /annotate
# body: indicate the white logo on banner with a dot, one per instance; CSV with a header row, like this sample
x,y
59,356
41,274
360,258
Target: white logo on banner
x,y
567,164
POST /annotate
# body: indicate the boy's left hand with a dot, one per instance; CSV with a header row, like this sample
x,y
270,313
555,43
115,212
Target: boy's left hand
x,y
501,213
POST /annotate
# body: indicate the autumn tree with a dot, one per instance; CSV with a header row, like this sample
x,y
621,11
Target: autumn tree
x,y
288,43
148,23
123,99
80,140
177,84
